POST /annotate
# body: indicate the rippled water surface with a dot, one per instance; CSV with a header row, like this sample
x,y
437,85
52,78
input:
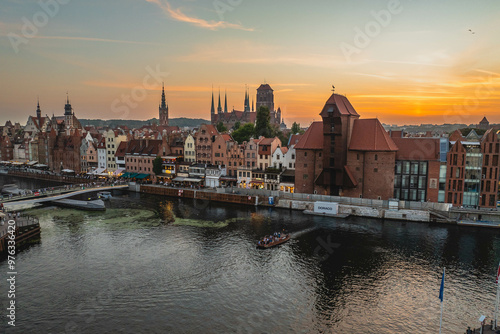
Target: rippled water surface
x,y
163,265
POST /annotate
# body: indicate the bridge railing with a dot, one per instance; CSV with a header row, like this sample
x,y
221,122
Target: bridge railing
x,y
51,191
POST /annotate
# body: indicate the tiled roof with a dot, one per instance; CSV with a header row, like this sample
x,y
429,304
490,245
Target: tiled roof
x,y
340,103
284,150
456,135
370,135
484,120
121,150
147,147
294,139
417,148
312,139
227,137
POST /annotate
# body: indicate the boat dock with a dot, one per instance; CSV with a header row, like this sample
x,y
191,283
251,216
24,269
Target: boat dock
x,y
95,205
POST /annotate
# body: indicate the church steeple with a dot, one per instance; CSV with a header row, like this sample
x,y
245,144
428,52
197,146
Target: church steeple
x,y
247,100
163,100
38,111
68,110
212,110
225,102
219,108
163,109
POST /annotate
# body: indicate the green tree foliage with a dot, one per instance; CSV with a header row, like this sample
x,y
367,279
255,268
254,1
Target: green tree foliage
x,y
157,165
296,129
262,124
236,126
244,133
221,127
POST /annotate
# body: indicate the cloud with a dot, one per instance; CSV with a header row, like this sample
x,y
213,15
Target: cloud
x,y
178,15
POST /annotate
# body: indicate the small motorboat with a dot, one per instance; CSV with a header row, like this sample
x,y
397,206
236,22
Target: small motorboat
x,y
272,241
104,195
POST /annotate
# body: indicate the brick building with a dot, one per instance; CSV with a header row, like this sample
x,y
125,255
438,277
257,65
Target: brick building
x,y
204,139
309,160
370,161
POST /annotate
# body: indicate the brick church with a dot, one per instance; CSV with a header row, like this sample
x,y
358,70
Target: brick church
x,y
265,98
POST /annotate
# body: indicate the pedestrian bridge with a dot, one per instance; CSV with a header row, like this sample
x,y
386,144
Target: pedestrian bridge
x,y
51,194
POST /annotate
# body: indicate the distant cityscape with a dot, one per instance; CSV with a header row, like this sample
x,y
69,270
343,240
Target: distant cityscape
x,y
342,155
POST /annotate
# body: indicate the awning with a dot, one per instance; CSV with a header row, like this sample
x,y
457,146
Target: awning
x,y
141,176
98,171
192,180
67,171
40,166
257,182
31,163
118,171
17,163
179,179
125,175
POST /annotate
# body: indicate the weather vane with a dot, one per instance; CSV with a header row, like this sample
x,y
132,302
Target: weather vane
x,y
333,88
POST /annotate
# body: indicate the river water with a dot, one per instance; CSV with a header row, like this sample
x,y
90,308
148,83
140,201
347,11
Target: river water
x,y
133,270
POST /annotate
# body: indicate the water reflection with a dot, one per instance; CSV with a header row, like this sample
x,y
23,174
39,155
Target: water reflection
x,y
133,269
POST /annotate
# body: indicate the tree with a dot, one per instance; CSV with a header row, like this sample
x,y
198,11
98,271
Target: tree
x,y
236,126
244,133
221,127
296,129
157,165
263,123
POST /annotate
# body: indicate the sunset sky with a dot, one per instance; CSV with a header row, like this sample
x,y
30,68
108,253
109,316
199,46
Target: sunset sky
x,y
405,62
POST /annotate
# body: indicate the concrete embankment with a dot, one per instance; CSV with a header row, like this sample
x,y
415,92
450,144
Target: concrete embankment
x,y
361,211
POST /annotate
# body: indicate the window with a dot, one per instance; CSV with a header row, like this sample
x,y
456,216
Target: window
x,y
293,156
305,176
290,165
375,170
357,156
376,157
305,154
305,165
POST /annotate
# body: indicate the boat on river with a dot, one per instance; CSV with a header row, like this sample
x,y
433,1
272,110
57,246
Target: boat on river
x,y
272,241
104,195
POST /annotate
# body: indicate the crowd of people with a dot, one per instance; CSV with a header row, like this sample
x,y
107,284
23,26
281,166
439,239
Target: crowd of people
x,y
269,239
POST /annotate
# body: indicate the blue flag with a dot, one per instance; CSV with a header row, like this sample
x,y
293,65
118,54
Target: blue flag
x,y
441,290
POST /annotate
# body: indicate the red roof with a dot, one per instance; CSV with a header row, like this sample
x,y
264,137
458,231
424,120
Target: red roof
x,y
456,135
122,148
370,135
227,137
340,103
422,148
284,150
294,139
312,139
484,120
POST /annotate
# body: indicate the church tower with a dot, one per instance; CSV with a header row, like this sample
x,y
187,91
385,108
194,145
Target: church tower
x,y
38,113
68,114
219,107
163,109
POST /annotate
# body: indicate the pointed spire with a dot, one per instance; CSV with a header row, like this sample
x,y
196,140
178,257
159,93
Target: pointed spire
x,y
225,101
212,110
163,100
219,107
252,105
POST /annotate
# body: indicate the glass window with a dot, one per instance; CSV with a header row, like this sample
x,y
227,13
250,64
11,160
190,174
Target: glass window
x,y
413,194
406,167
421,195
414,168
404,194
398,167
397,193
406,181
423,168
397,182
422,182
413,181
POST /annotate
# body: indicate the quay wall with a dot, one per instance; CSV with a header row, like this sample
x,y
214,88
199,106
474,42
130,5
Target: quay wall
x,y
361,211
203,195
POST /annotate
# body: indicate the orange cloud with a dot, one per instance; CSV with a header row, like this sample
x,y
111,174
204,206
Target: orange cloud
x,y
178,15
